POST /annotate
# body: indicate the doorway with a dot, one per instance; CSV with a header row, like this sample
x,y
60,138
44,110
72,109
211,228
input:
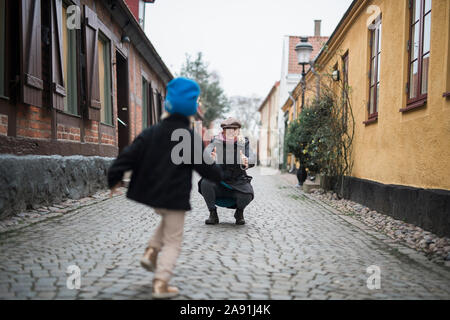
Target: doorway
x,y
122,101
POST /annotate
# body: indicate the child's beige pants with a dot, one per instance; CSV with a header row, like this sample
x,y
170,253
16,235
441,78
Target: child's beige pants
x,y
168,237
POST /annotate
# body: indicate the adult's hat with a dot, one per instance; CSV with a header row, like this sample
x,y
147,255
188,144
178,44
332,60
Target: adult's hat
x,y
231,123
182,96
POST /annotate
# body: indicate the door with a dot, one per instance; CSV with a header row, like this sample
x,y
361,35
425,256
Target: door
x,y
122,101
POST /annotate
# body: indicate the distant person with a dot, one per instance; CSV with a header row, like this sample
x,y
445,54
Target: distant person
x,y
161,184
233,154
301,174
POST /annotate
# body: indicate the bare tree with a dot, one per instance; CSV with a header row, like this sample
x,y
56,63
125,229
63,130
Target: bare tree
x,y
246,110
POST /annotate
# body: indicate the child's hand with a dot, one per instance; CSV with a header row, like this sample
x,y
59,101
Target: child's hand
x,y
213,154
114,189
244,159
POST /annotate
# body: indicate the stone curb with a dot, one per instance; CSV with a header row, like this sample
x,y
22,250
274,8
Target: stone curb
x,y
410,253
70,209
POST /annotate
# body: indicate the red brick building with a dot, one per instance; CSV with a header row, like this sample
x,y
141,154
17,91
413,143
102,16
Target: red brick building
x,y
69,89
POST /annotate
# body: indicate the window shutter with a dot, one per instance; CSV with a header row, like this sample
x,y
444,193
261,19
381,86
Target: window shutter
x,y
91,56
160,106
153,106
150,104
58,90
31,52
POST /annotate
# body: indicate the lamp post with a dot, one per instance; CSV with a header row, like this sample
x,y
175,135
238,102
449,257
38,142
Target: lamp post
x,y
303,50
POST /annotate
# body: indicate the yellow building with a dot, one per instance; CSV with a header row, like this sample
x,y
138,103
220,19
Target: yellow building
x,y
395,56
268,145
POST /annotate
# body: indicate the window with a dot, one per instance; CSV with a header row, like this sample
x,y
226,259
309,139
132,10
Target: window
x,y
159,104
2,47
104,66
419,52
144,103
374,74
147,104
345,71
70,64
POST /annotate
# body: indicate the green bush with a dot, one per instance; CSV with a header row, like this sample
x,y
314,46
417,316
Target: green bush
x,y
314,138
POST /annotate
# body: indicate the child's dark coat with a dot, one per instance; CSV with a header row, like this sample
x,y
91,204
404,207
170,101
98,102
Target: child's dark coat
x,y
156,181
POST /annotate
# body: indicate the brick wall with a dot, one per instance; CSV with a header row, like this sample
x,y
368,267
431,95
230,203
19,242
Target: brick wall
x,y
33,122
317,43
3,124
91,132
108,139
65,132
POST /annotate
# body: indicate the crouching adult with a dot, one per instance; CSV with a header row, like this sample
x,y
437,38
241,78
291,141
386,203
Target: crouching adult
x,y
232,152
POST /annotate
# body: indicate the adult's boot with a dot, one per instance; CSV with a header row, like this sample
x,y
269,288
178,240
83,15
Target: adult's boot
x,y
239,215
213,218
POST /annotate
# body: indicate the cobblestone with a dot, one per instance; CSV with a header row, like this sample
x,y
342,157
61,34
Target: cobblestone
x,y
436,248
292,247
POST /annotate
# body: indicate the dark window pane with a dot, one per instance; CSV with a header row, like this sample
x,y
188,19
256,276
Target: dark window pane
x,y
414,80
108,97
346,70
72,73
425,65
426,33
144,104
104,63
427,6
70,65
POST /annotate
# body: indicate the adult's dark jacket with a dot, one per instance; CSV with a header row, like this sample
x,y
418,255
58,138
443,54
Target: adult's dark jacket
x,y
229,159
156,180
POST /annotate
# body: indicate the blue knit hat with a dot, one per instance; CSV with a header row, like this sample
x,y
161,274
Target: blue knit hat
x,y
182,95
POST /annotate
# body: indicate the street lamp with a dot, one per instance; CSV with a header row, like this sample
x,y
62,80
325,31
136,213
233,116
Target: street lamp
x,y
303,50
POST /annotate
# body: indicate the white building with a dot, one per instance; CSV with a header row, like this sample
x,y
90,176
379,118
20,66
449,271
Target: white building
x,y
291,74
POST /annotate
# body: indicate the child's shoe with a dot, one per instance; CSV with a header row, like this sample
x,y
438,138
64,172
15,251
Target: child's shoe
x,y
161,290
148,261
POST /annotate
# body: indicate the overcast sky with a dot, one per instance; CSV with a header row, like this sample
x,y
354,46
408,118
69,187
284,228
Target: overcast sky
x,y
241,39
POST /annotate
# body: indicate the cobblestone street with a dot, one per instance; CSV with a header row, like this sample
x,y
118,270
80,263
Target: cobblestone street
x,y
291,248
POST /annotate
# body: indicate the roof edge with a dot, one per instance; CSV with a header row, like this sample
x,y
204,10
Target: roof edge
x,y
330,40
276,85
139,39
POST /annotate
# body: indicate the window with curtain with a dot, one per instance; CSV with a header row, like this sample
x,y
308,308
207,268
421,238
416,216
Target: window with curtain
x,y
2,47
419,51
104,75
70,64
144,104
374,75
